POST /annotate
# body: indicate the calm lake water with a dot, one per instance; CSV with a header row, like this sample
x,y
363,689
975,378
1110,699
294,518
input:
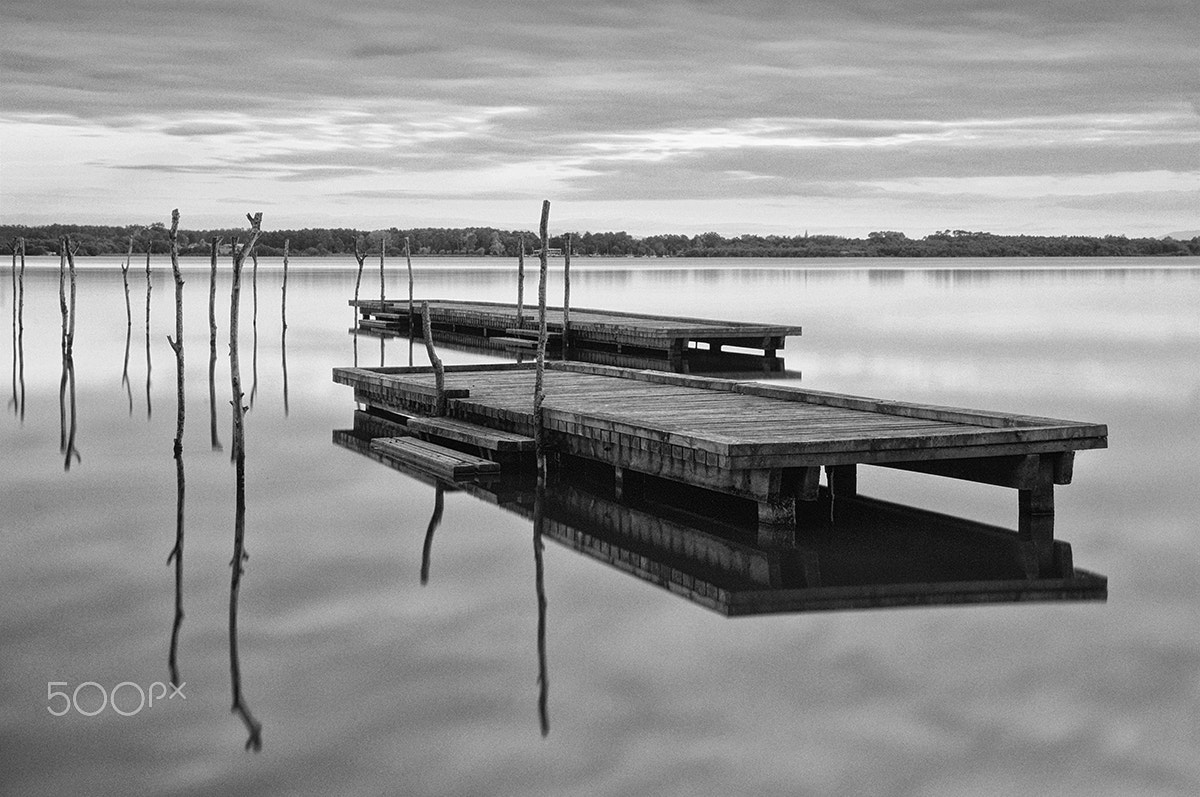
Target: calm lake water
x,y
368,682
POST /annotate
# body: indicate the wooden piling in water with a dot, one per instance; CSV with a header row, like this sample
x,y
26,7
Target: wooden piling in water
x,y
176,554
213,246
438,371
521,282
360,256
566,330
283,324
408,262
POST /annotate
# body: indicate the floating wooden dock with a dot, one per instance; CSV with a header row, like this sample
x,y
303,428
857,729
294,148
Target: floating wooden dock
x,y
760,443
497,325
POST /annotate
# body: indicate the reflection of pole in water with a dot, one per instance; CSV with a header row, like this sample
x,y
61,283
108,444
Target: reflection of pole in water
x,y
176,554
149,287
283,325
253,726
539,504
213,245
128,325
382,251
435,520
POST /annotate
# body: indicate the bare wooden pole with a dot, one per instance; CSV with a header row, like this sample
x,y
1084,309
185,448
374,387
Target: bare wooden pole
x,y
539,373
566,330
439,374
521,281
177,342
253,726
283,324
67,438
21,327
382,253
283,290
62,341
14,403
360,256
408,260
128,324
176,554
149,288
214,246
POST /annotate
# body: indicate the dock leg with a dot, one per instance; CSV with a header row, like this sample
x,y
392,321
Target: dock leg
x,y
1035,516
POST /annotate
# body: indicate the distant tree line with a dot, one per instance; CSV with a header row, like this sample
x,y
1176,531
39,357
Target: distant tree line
x,y
489,241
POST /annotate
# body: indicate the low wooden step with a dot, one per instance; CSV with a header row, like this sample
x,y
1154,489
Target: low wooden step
x,y
471,433
432,458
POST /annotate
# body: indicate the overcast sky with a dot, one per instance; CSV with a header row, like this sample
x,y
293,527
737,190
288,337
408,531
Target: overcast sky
x,y
1035,116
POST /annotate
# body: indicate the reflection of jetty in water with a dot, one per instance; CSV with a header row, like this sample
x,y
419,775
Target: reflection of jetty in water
x,y
846,552
602,337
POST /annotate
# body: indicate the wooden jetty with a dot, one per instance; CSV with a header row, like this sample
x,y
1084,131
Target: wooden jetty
x,y
496,325
854,553
760,443
694,361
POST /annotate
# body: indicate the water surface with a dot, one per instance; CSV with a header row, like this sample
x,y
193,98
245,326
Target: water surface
x,y
367,681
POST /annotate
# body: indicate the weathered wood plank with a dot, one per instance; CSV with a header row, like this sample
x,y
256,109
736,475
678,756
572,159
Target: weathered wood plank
x,y
433,458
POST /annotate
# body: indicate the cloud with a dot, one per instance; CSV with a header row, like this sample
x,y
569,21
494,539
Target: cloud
x,y
604,100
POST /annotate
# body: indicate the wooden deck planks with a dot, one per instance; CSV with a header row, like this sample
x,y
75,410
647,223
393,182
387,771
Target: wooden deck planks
x,y
718,417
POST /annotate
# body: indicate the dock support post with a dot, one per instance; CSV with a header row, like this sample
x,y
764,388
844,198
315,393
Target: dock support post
x,y
1035,515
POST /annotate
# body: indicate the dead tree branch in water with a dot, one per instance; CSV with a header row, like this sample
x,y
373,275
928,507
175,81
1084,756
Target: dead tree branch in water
x,y
20,342
439,374
67,430
521,282
176,554
253,726
149,288
128,324
360,256
539,373
214,245
283,325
